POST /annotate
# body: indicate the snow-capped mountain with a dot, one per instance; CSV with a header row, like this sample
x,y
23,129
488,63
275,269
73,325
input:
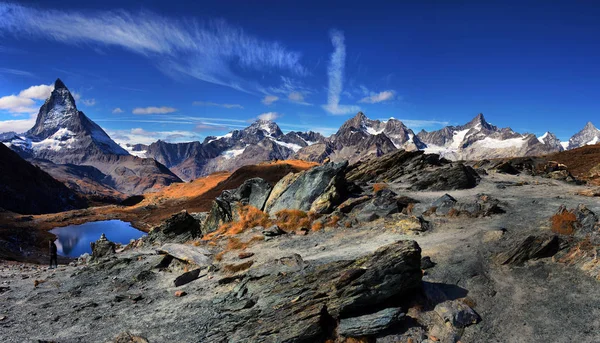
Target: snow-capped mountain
x,y
262,141
479,139
589,135
64,135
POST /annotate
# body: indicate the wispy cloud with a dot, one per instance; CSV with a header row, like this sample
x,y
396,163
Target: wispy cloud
x,y
298,98
211,51
117,110
89,102
419,124
25,101
269,116
153,110
269,99
374,98
15,71
335,71
210,127
213,104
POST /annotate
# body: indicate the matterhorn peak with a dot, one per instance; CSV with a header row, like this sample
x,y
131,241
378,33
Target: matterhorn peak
x,y
58,84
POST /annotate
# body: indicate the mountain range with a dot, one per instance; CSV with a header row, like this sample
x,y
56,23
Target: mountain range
x,y
73,149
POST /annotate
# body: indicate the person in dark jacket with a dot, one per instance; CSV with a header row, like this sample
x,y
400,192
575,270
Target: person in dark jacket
x,y
53,254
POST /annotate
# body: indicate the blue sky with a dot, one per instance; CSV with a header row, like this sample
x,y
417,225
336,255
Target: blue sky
x,y
180,71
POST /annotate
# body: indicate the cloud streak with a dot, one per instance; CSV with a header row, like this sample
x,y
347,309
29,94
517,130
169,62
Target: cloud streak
x,y
211,51
213,104
335,72
374,98
269,99
15,71
153,110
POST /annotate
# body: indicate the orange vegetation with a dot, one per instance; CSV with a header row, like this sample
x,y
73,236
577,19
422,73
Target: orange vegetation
x,y
564,222
379,187
234,268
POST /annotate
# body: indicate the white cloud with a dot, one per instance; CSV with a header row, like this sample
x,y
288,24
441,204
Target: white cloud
x,y
213,104
374,98
211,51
269,116
117,110
41,92
335,71
76,96
142,136
18,126
89,102
25,102
269,99
153,110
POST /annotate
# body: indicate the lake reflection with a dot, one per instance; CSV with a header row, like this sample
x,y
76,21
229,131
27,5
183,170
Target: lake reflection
x,y
74,240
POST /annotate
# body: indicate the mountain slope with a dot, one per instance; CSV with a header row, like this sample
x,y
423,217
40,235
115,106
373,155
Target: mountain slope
x,y
64,135
27,189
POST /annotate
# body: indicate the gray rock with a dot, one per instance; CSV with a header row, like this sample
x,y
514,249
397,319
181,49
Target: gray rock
x,y
253,192
444,204
307,187
457,313
383,204
456,176
426,263
273,231
188,253
220,213
369,324
179,228
531,248
186,278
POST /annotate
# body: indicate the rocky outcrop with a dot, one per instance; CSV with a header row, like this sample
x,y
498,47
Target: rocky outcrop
x,y
579,221
452,177
307,188
180,228
533,247
304,307
482,206
253,192
420,171
102,248
370,324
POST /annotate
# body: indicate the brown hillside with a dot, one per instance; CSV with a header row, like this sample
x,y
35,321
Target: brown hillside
x,y
580,161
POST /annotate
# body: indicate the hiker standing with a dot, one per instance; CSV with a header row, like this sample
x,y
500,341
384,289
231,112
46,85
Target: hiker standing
x,y
53,254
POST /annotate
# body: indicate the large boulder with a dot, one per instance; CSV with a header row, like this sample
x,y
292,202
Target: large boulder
x,y
188,253
483,206
579,221
456,176
308,187
533,247
180,228
383,204
253,192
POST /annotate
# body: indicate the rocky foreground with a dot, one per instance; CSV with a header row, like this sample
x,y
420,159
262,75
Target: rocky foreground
x,y
449,254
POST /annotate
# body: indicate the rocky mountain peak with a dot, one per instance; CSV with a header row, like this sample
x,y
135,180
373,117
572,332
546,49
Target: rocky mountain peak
x,y
59,111
479,122
268,127
589,126
58,84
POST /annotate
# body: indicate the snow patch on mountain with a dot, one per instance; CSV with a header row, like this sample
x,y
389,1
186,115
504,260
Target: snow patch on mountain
x,y
63,138
292,146
493,143
231,153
